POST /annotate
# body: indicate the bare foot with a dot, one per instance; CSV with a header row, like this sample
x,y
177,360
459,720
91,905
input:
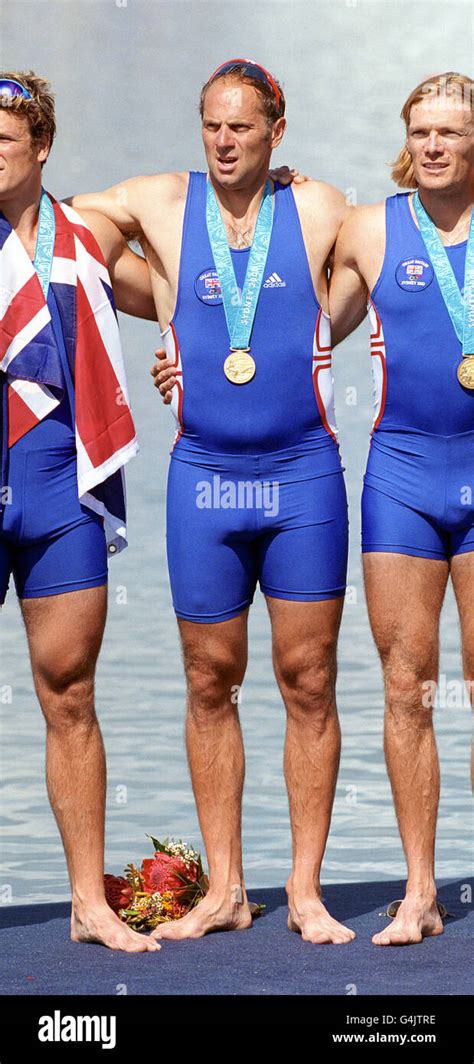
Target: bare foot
x,y
416,919
310,918
103,926
212,914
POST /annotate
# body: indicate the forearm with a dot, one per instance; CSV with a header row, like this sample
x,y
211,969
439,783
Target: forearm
x,y
345,321
129,273
132,285
347,298
135,301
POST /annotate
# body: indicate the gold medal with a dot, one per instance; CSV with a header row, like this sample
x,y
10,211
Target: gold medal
x,y
239,366
466,372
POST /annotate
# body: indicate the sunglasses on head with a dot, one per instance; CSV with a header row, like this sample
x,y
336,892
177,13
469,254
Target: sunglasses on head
x,y
9,87
254,70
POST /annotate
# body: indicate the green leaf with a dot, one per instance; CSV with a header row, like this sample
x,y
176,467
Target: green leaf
x,y
159,847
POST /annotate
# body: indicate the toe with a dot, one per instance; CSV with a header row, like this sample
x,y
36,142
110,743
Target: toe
x,y
379,940
152,947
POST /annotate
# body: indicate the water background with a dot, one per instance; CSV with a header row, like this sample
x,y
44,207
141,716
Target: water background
x,y
127,78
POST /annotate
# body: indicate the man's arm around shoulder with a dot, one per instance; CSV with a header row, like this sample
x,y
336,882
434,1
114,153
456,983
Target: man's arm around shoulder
x,y
132,203
324,201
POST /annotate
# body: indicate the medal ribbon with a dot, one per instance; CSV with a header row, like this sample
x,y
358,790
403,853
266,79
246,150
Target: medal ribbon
x,y
43,264
460,310
240,314
43,261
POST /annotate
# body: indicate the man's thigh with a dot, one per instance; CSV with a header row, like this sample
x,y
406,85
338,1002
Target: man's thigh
x,y
303,555
215,653
65,633
305,634
73,558
212,560
404,599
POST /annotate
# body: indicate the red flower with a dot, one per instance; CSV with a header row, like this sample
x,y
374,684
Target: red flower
x,y
164,872
118,893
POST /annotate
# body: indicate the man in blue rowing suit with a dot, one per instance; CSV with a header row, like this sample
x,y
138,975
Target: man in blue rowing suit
x,y
66,432
256,489
414,255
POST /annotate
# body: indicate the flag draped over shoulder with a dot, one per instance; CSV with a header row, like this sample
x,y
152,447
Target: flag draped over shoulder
x,y
105,433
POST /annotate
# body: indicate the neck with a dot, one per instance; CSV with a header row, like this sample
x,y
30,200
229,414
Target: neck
x,y
21,209
241,204
448,208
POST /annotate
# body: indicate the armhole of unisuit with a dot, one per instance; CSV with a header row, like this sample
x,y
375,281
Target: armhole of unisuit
x,y
189,194
382,268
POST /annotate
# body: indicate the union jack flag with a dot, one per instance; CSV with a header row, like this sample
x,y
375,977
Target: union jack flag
x,y
105,433
213,283
415,268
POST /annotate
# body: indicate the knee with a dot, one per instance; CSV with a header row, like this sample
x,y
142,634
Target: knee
x,y
306,684
410,687
214,683
66,694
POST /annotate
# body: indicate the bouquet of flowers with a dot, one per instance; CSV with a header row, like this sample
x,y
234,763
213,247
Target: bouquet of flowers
x,y
166,886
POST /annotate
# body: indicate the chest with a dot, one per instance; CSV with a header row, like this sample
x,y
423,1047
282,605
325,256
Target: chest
x,y
29,244
409,286
396,260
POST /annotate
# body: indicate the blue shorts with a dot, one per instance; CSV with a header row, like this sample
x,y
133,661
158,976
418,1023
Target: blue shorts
x,y
279,519
418,494
48,540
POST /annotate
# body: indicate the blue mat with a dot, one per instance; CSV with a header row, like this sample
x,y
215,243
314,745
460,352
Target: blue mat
x,y
37,956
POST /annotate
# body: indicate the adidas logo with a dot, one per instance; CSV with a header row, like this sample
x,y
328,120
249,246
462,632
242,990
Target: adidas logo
x,y
274,281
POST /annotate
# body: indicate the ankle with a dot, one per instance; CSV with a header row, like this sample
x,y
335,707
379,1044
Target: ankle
x,y
87,902
232,890
421,890
300,888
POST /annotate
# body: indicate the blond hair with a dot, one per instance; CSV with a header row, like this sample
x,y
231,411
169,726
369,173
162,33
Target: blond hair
x,y
452,85
39,111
